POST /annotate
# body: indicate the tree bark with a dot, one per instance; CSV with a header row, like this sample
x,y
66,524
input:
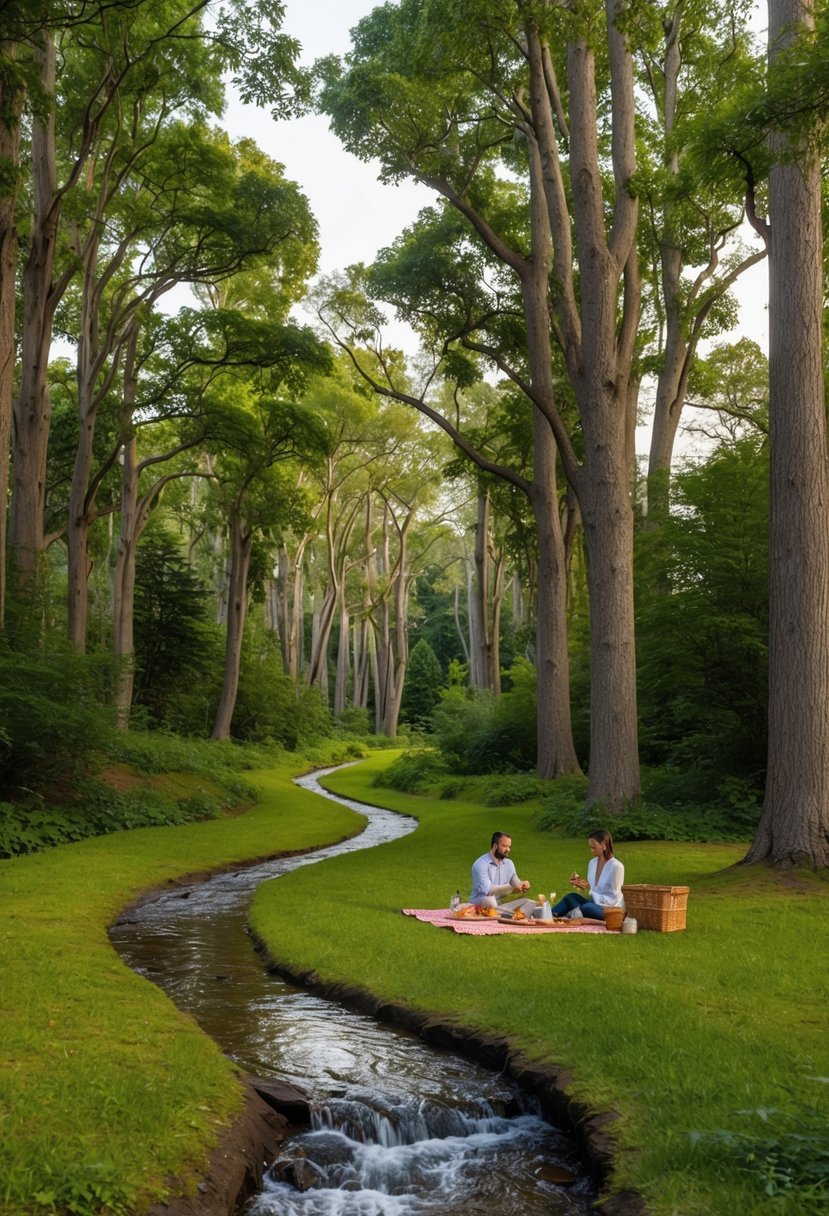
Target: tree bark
x,y
556,750
794,828
32,415
123,574
343,656
480,626
601,382
241,541
11,105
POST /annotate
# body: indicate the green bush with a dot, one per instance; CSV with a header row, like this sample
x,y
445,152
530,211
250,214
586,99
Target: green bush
x,y
565,810
511,790
30,827
269,707
479,733
423,684
412,773
353,721
53,723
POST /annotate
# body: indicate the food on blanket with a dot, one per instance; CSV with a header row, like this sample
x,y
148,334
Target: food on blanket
x,y
519,915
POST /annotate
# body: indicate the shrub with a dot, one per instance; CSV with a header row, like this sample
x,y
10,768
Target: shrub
x,y
479,733
509,791
565,810
53,723
412,773
269,707
423,684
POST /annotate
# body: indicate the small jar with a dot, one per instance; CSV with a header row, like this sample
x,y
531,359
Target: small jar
x,y
629,925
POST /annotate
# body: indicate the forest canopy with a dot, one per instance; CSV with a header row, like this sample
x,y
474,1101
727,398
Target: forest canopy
x,y
247,515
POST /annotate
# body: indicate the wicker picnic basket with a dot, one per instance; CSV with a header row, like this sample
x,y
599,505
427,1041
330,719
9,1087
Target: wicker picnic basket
x,y
660,908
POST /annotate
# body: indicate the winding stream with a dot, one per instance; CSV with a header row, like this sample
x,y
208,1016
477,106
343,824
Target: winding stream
x,y
398,1128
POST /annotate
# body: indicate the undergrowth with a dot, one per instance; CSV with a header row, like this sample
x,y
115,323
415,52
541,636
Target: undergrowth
x,y
674,805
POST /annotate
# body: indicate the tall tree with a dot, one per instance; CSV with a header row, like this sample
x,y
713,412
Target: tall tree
x,y
794,829
452,96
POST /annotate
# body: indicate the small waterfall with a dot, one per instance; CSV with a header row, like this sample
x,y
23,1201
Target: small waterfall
x,y
369,1156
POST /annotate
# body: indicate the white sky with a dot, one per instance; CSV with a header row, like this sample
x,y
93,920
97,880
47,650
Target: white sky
x,y
358,215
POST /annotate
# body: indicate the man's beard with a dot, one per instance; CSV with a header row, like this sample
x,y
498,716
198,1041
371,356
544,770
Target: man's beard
x,y
499,856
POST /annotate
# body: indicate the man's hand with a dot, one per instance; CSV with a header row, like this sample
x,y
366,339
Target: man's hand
x,y
523,886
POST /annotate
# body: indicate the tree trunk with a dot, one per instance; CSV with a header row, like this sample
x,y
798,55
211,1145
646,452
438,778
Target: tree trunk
x,y
361,663
794,829
123,586
479,633
290,601
123,574
32,415
494,640
343,657
240,549
601,381
11,104
556,750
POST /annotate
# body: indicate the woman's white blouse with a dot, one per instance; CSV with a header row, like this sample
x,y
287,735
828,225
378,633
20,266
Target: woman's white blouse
x,y
607,892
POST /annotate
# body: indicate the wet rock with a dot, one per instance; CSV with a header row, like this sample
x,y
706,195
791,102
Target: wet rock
x,y
296,1171
556,1174
289,1101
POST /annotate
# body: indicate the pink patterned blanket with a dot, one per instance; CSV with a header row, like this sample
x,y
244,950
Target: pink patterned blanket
x,y
483,928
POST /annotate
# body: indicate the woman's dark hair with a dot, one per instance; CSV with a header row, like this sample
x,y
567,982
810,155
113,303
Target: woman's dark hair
x,y
605,840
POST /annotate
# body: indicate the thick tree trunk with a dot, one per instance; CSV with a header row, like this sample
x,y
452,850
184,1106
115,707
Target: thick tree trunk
x,y
602,381
240,549
32,415
556,750
794,829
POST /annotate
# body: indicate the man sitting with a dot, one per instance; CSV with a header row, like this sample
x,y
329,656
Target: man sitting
x,y
494,876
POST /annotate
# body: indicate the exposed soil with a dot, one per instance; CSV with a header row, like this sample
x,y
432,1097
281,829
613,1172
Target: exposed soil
x,y
272,1111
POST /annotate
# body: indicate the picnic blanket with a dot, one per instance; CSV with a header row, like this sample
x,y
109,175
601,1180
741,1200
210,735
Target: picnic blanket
x,y
482,928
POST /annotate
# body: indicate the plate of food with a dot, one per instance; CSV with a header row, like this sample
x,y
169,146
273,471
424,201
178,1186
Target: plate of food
x,y
475,912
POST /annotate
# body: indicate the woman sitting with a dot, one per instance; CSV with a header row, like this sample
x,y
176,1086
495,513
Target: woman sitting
x,y
605,875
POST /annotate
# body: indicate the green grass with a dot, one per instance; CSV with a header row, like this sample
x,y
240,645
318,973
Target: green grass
x,y
681,1033
107,1092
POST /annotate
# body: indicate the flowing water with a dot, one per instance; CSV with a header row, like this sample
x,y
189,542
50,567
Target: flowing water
x,y
398,1128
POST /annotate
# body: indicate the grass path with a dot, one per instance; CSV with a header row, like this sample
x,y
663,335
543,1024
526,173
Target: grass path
x,y
106,1090
679,1032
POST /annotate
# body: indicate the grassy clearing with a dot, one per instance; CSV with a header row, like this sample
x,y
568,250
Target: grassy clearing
x,y
682,1033
107,1092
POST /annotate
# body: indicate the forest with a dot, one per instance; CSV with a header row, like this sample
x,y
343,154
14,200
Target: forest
x,y
235,511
